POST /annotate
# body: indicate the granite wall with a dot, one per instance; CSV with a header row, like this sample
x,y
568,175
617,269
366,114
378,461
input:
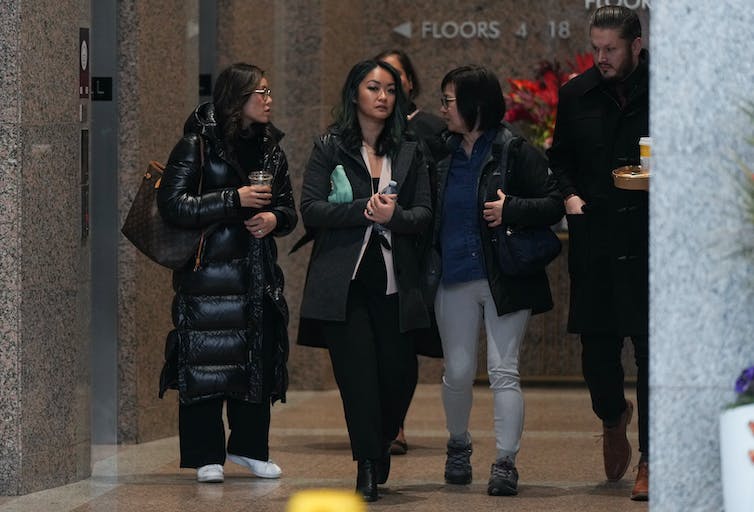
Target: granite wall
x,y
702,287
44,261
158,56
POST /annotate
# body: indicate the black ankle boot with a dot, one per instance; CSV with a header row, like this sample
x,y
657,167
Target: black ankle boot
x,y
366,479
383,465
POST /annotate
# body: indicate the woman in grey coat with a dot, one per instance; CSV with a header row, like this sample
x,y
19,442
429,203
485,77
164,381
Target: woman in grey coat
x,y
362,287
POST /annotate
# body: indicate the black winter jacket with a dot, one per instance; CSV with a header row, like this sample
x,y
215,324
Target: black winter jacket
x,y
532,199
338,231
215,349
608,257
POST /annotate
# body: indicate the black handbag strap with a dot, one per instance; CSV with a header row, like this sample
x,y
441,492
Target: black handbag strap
x,y
502,154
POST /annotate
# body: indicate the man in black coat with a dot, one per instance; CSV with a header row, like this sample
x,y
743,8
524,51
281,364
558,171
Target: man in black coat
x,y
601,116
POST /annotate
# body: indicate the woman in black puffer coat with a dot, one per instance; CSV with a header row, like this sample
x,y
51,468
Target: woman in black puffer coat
x,y
230,339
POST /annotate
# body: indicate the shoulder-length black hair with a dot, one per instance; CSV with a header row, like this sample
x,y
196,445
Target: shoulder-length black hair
x,y
346,118
408,68
233,87
479,97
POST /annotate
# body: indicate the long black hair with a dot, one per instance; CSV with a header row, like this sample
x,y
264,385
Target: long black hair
x,y
479,98
233,87
346,118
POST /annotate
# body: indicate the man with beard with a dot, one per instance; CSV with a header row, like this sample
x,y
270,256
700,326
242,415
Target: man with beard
x,y
602,113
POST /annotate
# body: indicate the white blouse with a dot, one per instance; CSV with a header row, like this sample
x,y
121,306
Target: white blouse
x,y
385,177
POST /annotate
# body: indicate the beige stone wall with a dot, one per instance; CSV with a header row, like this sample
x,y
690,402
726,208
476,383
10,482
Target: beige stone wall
x,y
158,89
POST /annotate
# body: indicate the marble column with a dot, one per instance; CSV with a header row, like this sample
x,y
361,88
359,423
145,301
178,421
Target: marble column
x,y
158,77
44,259
702,287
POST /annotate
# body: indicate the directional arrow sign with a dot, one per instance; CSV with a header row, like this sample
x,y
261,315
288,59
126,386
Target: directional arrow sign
x,y
403,29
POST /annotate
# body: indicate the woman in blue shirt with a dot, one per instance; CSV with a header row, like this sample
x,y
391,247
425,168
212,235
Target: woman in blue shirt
x,y
470,201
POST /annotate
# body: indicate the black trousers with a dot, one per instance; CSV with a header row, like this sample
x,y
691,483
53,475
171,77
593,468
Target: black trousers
x,y
375,369
202,433
603,372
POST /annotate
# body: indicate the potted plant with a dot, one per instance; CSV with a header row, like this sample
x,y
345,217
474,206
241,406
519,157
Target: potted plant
x,y
737,446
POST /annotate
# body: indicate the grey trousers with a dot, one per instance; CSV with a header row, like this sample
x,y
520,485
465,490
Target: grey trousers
x,y
460,309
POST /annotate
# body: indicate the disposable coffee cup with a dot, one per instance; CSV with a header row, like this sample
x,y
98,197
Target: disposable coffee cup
x,y
645,152
260,178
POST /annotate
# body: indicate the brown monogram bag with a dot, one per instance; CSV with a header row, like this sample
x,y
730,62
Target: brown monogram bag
x,y
170,246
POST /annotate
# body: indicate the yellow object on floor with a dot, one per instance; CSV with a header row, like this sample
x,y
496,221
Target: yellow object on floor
x,y
326,500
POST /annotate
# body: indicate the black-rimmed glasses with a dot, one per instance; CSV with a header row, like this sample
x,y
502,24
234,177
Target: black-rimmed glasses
x,y
446,100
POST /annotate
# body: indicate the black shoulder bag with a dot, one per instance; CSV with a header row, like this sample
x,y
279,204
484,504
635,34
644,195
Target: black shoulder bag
x,y
525,250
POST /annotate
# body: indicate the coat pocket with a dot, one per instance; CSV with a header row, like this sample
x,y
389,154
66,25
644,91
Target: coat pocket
x,y
578,244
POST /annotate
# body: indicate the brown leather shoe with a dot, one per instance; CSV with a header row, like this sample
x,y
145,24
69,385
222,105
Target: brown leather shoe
x,y
641,487
616,449
399,446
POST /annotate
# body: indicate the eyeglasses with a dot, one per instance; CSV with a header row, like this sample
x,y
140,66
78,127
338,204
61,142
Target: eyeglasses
x,y
446,100
266,92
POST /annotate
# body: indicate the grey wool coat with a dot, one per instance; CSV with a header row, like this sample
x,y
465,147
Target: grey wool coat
x,y
338,232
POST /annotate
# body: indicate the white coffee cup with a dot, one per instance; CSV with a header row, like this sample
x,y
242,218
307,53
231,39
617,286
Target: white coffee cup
x,y
645,152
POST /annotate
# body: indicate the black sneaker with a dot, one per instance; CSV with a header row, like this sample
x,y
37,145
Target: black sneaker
x,y
458,464
503,479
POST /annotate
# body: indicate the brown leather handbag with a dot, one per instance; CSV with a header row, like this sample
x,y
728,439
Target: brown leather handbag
x,y
164,243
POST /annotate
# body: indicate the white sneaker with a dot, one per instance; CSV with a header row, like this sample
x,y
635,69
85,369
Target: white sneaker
x,y
211,473
259,468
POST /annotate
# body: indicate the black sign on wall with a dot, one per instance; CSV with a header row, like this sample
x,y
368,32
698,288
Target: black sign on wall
x,y
102,88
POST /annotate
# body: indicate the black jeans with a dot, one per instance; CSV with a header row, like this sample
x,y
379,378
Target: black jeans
x,y
603,372
375,368
202,433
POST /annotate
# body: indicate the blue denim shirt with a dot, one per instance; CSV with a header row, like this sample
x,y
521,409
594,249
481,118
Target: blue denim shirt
x,y
460,239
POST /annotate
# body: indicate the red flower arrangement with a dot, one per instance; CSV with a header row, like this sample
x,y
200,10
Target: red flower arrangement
x,y
533,104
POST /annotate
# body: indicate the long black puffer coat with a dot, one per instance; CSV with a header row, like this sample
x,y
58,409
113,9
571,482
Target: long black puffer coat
x,y
215,349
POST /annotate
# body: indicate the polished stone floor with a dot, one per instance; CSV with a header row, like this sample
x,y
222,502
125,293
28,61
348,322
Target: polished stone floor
x,y
560,464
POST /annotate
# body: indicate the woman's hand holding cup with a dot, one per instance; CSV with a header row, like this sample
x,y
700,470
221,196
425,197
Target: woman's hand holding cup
x,y
259,193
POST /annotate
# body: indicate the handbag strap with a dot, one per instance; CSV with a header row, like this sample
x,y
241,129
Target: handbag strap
x,y
502,154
